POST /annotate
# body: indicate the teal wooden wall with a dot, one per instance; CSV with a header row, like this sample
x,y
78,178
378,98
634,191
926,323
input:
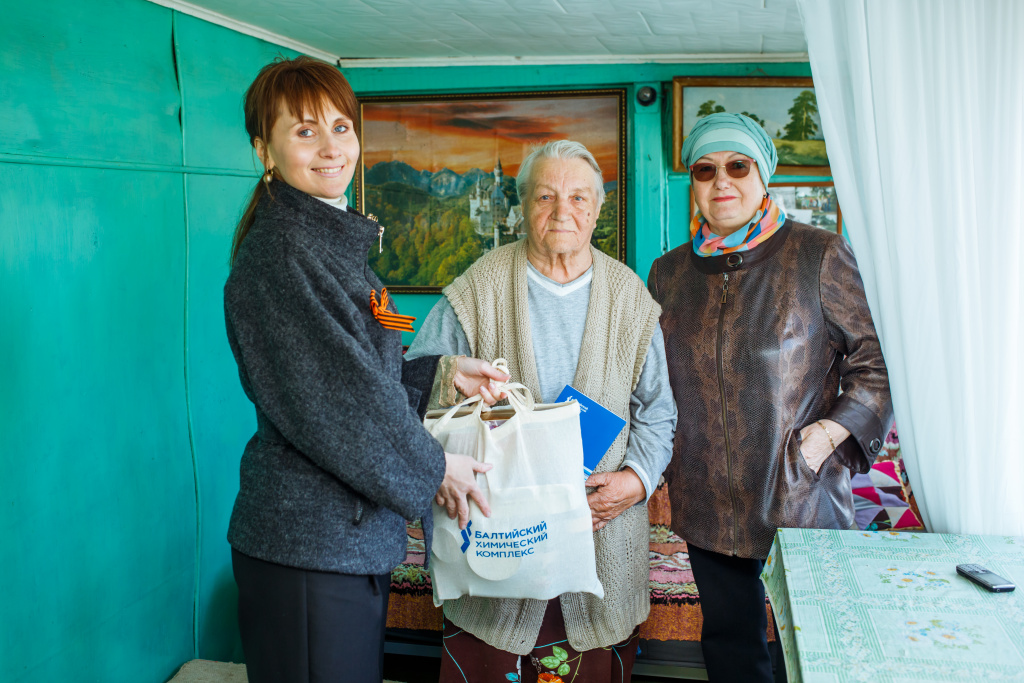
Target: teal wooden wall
x,y
123,168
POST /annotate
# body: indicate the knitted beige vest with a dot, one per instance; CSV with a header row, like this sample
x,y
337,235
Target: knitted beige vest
x,y
490,300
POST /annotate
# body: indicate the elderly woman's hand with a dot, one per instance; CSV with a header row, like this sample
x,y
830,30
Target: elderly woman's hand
x,y
459,485
614,492
815,445
474,376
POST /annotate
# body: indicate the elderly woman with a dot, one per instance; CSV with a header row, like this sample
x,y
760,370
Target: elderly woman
x,y
765,322
563,313
340,458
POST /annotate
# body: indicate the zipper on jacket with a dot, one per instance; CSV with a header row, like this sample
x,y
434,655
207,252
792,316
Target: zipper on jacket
x,y
725,407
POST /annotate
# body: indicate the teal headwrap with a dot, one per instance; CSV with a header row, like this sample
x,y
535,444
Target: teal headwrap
x,y
731,133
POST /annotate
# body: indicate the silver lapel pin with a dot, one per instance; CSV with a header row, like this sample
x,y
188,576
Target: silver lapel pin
x,y
380,233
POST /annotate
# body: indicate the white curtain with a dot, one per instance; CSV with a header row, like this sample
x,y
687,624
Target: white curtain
x,y
922,109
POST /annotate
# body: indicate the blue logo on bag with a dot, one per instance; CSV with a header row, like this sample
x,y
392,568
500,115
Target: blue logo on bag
x,y
514,543
466,536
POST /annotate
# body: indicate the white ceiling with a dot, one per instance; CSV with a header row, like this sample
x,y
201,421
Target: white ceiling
x,y
419,29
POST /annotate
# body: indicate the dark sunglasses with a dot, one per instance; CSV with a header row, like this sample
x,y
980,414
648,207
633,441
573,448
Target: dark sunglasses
x,y
705,170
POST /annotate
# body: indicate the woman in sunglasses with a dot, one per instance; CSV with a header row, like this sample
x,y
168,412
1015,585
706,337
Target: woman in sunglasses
x,y
765,321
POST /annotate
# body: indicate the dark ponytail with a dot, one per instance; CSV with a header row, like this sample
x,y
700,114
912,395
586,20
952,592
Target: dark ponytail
x,y
248,218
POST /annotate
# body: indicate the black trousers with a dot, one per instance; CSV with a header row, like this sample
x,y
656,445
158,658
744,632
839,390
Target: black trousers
x,y
734,636
301,626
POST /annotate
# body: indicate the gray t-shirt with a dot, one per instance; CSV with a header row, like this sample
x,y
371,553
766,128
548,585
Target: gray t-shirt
x,y
558,316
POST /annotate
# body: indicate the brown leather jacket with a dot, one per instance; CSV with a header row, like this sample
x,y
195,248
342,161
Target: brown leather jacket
x,y
759,344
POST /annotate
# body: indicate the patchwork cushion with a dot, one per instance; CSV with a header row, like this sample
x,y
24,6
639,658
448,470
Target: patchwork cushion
x,y
881,497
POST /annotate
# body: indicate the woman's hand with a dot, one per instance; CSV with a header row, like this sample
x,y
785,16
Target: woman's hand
x,y
459,484
614,493
815,445
474,376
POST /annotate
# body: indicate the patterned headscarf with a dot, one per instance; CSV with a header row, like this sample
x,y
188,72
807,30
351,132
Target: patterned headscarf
x,y
724,132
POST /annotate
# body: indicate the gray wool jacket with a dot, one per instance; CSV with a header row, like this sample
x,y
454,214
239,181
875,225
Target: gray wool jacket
x,y
340,458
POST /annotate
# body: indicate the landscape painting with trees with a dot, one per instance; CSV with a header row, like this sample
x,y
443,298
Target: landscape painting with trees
x,y
786,108
439,174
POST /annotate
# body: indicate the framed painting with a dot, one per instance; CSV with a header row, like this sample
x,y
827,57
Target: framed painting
x,y
812,203
785,107
438,172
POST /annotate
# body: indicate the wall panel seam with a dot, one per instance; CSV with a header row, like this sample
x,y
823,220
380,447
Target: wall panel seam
x,y
39,160
185,354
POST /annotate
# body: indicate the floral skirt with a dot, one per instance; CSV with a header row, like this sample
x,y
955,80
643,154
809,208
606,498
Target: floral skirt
x,y
467,659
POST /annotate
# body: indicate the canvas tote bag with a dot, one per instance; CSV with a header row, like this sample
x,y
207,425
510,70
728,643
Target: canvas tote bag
x,y
538,542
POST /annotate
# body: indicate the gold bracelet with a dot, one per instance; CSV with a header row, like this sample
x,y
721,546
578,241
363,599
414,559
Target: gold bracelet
x,y
830,441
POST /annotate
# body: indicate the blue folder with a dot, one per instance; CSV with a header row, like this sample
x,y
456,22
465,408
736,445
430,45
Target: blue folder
x,y
598,426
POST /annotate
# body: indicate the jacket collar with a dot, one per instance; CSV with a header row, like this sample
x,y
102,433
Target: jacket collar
x,y
741,260
354,229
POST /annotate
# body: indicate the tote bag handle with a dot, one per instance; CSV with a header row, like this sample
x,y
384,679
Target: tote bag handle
x,y
519,397
439,426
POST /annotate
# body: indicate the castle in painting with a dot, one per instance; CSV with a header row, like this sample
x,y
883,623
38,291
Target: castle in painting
x,y
490,210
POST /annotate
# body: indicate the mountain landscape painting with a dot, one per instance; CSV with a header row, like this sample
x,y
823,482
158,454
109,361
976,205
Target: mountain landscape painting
x,y
439,175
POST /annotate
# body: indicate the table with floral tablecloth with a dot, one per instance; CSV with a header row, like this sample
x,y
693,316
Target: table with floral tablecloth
x,y
890,607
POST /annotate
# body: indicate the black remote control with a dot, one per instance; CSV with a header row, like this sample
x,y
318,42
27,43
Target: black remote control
x,y
985,578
